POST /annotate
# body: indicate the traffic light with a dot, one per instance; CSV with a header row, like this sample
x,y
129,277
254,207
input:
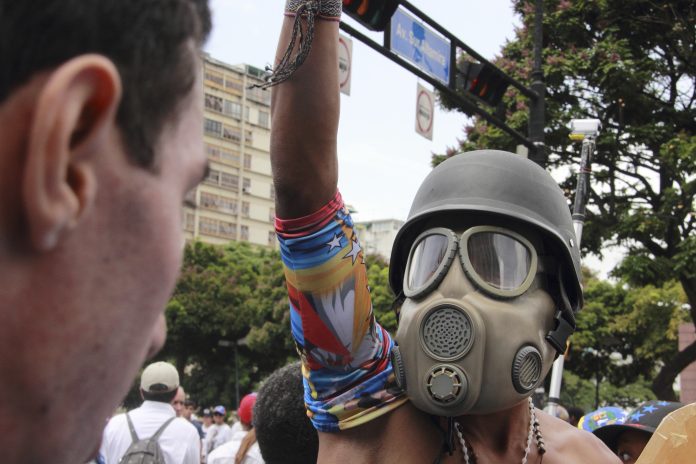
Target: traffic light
x,y
373,14
484,81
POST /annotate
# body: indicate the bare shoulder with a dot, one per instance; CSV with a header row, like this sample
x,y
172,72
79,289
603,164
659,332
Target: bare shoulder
x,y
403,436
568,444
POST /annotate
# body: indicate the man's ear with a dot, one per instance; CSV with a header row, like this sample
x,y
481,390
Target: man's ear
x,y
73,117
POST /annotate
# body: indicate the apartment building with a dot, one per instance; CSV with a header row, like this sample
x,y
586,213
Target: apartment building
x,y
236,200
377,237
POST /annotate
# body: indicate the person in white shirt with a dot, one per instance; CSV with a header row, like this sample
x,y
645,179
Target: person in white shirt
x,y
219,433
242,448
179,441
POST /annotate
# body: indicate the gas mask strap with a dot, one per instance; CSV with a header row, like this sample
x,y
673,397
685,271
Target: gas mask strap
x,y
396,305
447,438
564,320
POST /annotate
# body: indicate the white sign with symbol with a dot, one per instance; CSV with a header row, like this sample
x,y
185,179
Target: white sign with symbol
x,y
425,112
345,59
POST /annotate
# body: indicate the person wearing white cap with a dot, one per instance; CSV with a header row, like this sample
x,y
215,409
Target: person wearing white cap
x,y
178,440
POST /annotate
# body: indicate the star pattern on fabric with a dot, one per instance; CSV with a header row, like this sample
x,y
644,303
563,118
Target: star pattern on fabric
x,y
635,416
649,408
355,250
335,242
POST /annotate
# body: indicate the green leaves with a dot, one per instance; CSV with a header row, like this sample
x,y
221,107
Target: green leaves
x,y
631,64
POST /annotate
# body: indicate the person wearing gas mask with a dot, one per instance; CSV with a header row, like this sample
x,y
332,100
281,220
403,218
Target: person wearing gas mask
x,y
487,268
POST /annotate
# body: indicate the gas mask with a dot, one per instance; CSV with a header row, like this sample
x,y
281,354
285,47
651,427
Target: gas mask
x,y
472,336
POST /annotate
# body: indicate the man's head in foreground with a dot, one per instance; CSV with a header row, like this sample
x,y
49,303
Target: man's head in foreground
x,y
100,139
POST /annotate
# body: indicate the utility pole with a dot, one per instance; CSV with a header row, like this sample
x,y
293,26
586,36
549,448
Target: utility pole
x,y
537,107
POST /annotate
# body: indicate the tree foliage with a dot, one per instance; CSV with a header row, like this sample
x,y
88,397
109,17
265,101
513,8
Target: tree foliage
x,y
237,294
632,65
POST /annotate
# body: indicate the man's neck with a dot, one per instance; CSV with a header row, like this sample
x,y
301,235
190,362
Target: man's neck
x,y
500,433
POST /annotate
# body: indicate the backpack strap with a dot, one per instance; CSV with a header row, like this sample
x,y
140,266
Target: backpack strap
x,y
134,436
161,429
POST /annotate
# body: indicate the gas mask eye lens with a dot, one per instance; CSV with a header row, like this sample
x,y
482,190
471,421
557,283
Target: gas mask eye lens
x,y
499,259
429,261
500,262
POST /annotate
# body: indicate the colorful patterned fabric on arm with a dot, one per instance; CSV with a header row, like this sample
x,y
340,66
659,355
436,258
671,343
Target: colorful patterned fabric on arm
x,y
345,352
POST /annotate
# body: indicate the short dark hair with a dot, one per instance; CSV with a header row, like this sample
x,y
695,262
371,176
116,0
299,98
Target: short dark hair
x,y
147,40
283,430
160,397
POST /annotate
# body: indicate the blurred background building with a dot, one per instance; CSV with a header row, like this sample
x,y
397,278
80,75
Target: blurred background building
x,y
236,200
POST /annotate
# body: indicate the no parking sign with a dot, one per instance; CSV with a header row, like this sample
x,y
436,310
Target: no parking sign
x,y
425,112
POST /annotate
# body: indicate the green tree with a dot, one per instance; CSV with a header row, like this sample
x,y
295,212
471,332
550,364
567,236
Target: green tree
x,y
625,334
631,64
228,318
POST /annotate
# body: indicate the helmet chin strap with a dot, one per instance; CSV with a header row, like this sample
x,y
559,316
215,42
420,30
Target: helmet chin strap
x,y
564,321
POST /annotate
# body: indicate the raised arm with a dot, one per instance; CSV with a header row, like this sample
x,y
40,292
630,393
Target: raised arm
x,y
305,110
345,353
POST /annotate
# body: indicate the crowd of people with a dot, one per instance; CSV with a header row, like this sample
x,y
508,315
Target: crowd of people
x,y
102,137
270,426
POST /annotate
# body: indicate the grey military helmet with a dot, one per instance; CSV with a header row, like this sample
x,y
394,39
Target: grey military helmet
x,y
502,184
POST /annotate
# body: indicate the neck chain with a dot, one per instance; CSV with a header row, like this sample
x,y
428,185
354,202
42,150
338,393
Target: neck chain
x,y
534,431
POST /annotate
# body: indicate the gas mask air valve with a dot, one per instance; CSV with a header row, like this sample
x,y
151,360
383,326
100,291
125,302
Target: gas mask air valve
x,y
526,369
446,384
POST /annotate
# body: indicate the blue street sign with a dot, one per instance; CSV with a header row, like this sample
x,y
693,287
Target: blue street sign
x,y
415,42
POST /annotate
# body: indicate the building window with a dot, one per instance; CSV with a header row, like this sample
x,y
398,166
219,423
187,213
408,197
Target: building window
x,y
233,134
245,209
248,137
234,84
218,202
229,181
247,161
271,238
272,194
271,215
260,96
264,119
247,112
246,185
222,154
213,103
233,109
212,127
213,177
189,221
209,226
227,229
244,233
214,77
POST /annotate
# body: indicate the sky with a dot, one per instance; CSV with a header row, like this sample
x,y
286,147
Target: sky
x,y
382,160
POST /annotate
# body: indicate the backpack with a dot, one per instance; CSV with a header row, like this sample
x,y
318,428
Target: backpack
x,y
146,451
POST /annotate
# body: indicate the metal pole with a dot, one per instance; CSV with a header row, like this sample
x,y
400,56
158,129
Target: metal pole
x,y
588,147
236,377
537,108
